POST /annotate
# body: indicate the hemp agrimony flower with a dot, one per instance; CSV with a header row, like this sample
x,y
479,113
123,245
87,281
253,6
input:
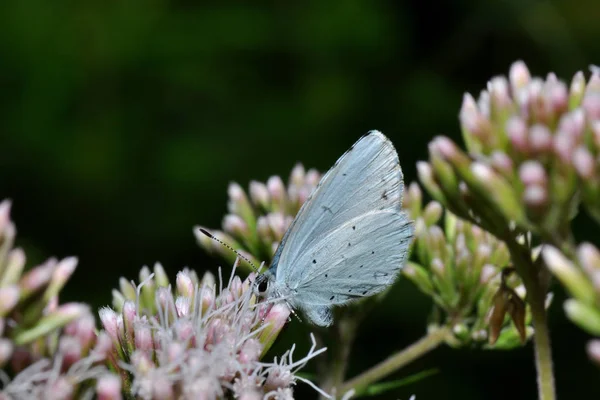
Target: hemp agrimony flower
x,y
198,338
256,223
50,348
464,270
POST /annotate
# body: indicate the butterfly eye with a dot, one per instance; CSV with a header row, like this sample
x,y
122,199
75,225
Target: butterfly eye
x,y
262,286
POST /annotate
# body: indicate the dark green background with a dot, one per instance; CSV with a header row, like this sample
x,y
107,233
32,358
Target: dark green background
x,y
122,122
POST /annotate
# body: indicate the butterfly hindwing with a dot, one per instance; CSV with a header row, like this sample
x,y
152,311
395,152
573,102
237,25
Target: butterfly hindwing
x,y
360,258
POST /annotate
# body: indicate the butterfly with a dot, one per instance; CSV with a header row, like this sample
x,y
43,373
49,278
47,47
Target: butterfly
x,y
350,239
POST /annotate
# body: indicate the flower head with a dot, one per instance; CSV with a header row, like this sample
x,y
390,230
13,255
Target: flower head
x,y
49,347
257,222
531,143
464,270
198,338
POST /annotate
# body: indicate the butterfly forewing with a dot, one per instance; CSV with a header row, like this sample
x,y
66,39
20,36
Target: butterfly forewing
x,y
366,178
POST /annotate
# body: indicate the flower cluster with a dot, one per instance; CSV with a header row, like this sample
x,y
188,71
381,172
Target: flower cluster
x,y
581,277
52,348
256,223
465,271
531,144
198,339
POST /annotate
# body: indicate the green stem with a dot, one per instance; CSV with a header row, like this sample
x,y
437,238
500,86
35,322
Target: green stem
x,y
343,338
536,297
424,345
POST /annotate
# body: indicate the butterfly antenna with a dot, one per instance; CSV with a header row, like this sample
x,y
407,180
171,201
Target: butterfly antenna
x,y
210,235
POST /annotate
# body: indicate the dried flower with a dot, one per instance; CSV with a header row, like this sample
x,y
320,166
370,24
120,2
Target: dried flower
x,y
460,266
256,223
197,339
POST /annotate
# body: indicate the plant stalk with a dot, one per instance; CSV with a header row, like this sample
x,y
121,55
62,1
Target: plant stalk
x,y
536,297
416,350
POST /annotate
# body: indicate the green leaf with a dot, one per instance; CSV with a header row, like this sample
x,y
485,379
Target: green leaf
x,y
382,387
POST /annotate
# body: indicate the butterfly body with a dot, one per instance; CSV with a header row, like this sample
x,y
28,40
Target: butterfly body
x,y
350,238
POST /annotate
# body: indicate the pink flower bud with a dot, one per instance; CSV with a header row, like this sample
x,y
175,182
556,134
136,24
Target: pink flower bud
x,y
182,306
108,387
591,105
577,88
437,266
277,224
108,317
589,257
143,337
9,297
185,285
4,215
162,389
297,175
235,225
499,93
583,162
517,134
64,269
207,298
104,345
14,267
558,97
312,178
540,138
250,352
535,196
279,377
236,192
532,173
564,145
175,352
443,147
84,330
259,194
518,76
276,189
38,277
501,162
129,316
60,389
70,350
593,350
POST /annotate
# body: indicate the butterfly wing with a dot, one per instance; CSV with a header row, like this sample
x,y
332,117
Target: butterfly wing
x,y
358,202
360,258
367,177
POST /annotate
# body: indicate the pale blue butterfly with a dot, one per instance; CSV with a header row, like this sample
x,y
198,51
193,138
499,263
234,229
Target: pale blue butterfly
x,y
350,239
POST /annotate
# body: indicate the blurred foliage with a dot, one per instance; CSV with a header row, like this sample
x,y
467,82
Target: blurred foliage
x,y
122,122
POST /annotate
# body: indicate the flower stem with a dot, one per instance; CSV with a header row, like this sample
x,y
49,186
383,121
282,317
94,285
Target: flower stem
x,y
536,297
424,345
344,333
